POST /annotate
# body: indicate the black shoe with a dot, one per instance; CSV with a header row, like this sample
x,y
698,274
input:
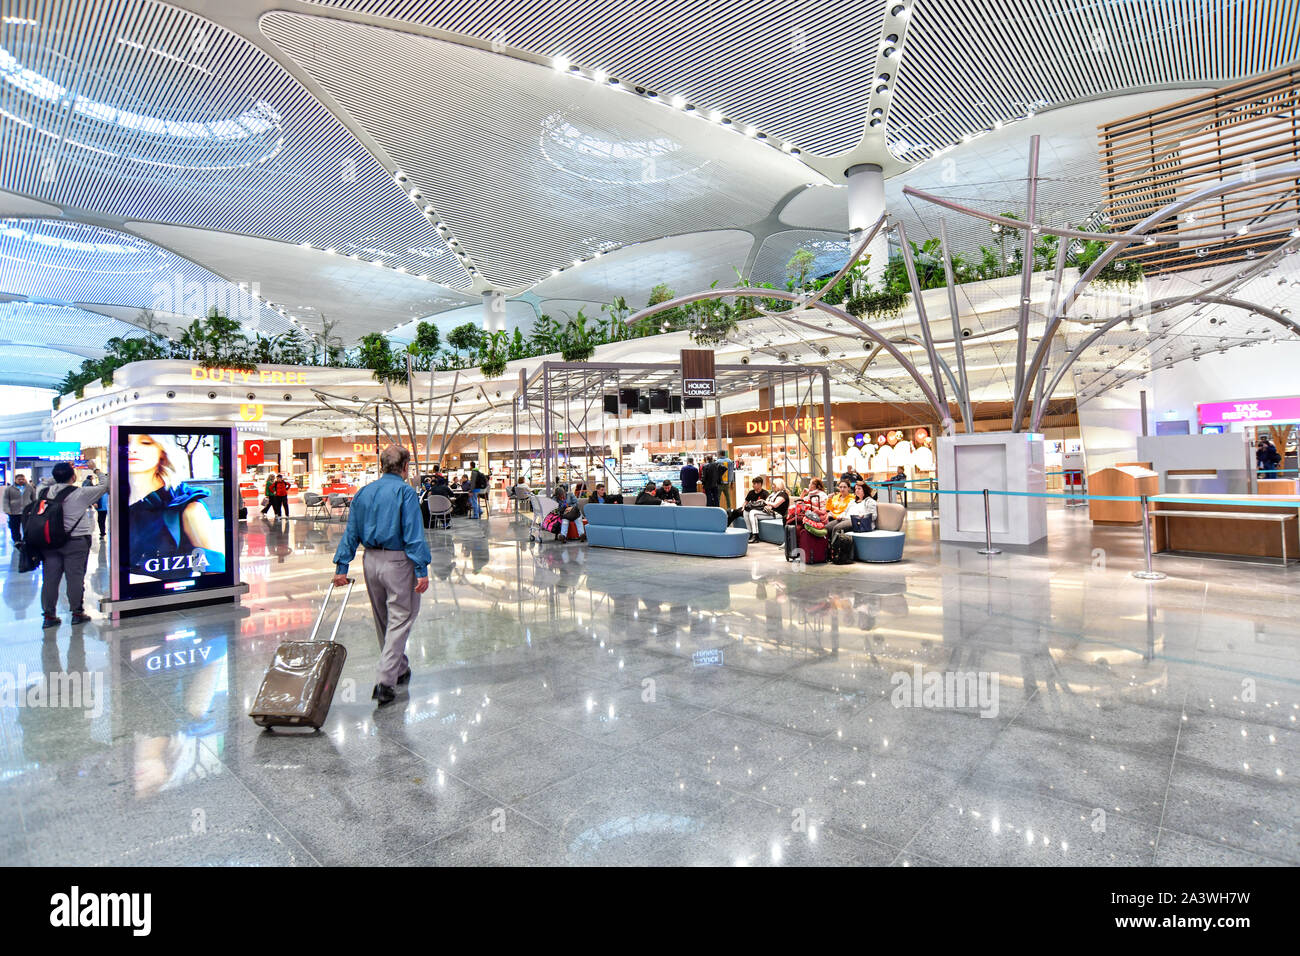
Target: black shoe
x,y
384,694
51,622
81,618
406,677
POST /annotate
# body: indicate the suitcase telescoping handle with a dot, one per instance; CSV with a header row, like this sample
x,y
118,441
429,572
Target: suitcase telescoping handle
x,y
326,603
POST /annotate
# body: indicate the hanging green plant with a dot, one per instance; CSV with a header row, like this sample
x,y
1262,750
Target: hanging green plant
x,y
716,321
494,365
876,306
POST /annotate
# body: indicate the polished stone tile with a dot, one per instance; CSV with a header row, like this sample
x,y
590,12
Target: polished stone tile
x,y
749,832
1179,850
627,812
1252,813
1119,780
988,826
885,798
724,750
379,820
504,748
502,837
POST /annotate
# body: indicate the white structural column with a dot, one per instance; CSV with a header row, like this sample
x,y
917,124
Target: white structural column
x,y
494,311
866,205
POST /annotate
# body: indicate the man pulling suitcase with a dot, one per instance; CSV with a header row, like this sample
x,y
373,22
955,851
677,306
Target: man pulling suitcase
x,y
385,518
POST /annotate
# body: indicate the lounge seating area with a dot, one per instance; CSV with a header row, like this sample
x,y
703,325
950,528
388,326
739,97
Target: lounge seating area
x,y
674,530
883,545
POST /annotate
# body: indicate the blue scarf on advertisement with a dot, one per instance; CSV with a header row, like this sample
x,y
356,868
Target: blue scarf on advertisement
x,y
156,534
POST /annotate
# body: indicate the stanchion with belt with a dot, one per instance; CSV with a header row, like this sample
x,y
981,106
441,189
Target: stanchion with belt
x,y
1148,574
988,529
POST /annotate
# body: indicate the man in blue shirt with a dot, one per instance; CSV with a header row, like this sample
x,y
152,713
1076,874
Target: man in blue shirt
x,y
690,476
385,517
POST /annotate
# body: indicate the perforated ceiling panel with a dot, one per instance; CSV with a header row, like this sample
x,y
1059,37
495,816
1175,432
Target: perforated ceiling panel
x,y
799,71
56,260
970,64
39,343
530,168
135,109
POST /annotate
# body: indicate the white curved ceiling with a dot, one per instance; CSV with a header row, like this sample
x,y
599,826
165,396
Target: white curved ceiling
x,y
362,297
801,72
230,134
172,118
533,169
684,263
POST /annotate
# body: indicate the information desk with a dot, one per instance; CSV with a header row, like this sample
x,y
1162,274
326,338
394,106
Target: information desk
x,y
1212,525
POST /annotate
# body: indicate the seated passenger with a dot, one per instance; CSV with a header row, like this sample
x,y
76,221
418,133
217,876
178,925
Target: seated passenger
x,y
599,496
753,500
668,493
568,512
647,495
837,509
862,510
774,506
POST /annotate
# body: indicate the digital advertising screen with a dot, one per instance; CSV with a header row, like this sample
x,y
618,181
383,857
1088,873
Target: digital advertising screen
x,y
173,503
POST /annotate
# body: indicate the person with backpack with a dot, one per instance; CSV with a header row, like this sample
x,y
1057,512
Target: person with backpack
x,y
16,499
57,527
268,495
478,492
726,478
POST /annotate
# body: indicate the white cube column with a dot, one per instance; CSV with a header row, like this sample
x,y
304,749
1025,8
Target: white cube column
x,y
998,461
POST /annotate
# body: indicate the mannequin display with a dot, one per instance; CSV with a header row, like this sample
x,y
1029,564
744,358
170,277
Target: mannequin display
x,y
883,460
923,459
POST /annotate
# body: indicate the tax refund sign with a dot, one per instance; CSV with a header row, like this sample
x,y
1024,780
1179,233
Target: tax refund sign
x,y
1250,411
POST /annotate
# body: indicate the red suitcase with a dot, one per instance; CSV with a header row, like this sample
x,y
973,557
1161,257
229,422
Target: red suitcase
x,y
299,685
815,549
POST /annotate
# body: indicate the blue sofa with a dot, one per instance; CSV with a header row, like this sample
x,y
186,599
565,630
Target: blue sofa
x,y
675,530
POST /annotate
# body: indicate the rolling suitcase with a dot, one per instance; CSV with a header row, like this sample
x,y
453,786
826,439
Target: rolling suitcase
x,y
299,685
791,541
814,547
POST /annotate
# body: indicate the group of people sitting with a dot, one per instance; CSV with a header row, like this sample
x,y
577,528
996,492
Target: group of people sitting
x,y
851,508
568,505
473,484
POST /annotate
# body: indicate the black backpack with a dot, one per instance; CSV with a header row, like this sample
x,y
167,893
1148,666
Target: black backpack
x,y
480,480
842,551
43,528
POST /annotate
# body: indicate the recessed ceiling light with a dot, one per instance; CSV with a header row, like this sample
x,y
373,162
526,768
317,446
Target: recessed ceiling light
x,y
600,76
561,63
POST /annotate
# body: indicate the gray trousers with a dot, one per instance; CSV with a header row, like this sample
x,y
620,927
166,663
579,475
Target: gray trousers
x,y
67,561
390,582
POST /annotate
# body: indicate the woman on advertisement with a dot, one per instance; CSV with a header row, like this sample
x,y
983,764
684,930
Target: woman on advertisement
x,y
171,535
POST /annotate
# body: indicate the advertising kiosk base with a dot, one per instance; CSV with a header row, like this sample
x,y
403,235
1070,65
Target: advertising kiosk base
x,y
165,602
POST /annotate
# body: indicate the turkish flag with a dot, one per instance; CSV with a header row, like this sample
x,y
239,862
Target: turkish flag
x,y
253,452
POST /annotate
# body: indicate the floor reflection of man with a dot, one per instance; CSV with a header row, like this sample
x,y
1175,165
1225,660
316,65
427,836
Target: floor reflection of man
x,y
168,744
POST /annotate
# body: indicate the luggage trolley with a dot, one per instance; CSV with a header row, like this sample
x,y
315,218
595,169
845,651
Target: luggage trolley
x,y
542,506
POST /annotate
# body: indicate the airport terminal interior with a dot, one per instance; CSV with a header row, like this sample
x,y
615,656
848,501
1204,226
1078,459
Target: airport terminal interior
x,y
643,434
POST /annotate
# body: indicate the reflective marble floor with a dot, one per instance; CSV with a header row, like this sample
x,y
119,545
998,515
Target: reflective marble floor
x,y
572,705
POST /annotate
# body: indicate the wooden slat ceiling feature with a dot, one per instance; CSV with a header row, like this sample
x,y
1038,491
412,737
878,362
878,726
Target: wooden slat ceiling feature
x,y
1158,157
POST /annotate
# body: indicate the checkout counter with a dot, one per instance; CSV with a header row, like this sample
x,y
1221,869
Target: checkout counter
x,y
1213,525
